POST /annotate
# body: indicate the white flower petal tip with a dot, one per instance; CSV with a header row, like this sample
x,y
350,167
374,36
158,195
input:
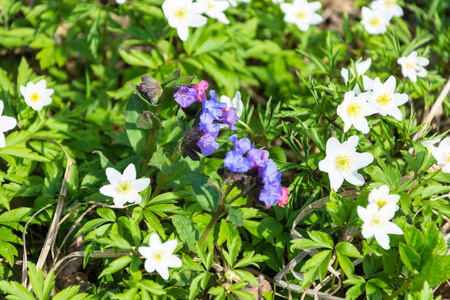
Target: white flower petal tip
x,y
413,66
381,197
342,162
182,14
159,256
124,187
302,13
354,110
37,95
390,7
377,222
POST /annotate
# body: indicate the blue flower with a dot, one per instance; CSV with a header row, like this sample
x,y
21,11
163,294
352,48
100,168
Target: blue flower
x,y
186,96
257,157
240,146
207,144
230,118
235,162
213,106
271,193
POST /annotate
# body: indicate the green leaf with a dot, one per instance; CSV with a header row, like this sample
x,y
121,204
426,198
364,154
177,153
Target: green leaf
x,y
348,250
106,213
117,265
91,225
318,263
37,280
194,289
414,238
16,289
409,257
23,152
322,239
137,136
67,294
345,263
48,285
151,287
247,276
250,259
186,231
235,215
8,251
206,193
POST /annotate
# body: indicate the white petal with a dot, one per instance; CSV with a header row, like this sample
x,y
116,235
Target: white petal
x,y
119,200
133,197
363,214
349,146
1,107
362,160
2,140
149,266
163,270
313,6
396,113
155,241
382,239
315,19
174,262
40,85
354,177
366,231
113,176
140,184
129,173
336,180
197,21
108,190
389,84
362,68
169,246
423,61
388,211
183,32
392,228
344,74
325,164
361,124
333,146
145,251
7,123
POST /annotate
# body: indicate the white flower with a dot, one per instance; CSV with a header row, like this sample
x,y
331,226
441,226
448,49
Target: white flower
x,y
302,13
121,1
361,68
430,144
36,95
442,154
6,123
215,9
234,2
413,66
236,103
354,110
385,100
374,21
388,6
381,197
182,14
124,187
376,223
277,1
159,256
342,162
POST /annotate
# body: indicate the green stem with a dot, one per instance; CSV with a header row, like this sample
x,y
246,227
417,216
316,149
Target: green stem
x,y
333,280
210,225
400,290
148,151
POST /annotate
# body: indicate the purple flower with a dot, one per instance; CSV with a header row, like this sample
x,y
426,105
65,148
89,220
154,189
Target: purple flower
x,y
235,162
186,96
207,125
213,106
271,193
230,118
257,157
207,144
240,146
269,172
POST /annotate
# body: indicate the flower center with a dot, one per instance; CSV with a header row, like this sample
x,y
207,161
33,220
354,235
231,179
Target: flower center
x,y
447,157
377,221
301,15
381,202
35,97
159,256
375,21
124,187
410,66
344,163
181,13
384,99
211,5
389,3
354,110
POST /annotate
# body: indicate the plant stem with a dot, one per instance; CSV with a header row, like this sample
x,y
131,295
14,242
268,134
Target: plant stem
x,y
333,280
210,225
400,290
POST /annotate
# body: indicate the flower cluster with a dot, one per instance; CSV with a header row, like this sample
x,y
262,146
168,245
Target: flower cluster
x,y
257,164
381,208
202,137
378,98
342,162
376,18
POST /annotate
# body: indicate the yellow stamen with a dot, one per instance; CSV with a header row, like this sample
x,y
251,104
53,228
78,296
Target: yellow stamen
x,y
344,163
410,66
447,157
375,21
384,99
390,3
181,13
35,97
381,202
159,256
301,15
124,187
377,221
354,110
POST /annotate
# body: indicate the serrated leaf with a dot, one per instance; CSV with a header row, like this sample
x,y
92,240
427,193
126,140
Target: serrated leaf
x,y
117,265
136,136
186,231
348,250
409,257
206,194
